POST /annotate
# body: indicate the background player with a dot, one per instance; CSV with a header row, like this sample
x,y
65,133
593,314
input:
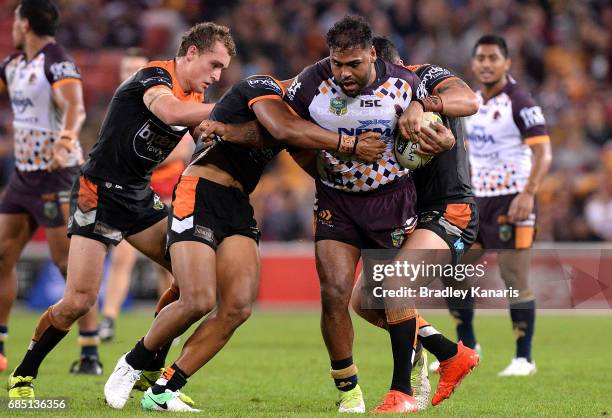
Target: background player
x,y
112,199
44,86
510,154
212,221
123,257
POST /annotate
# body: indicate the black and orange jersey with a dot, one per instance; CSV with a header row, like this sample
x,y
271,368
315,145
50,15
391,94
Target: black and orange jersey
x,y
245,164
446,179
133,141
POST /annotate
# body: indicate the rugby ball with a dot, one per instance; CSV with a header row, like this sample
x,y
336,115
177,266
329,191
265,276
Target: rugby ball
x,y
407,153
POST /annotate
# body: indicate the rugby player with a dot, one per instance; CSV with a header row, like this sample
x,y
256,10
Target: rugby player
x,y
123,257
510,154
212,236
44,86
112,198
363,206
447,219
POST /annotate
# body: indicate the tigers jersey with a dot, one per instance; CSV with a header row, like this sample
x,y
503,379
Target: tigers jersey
x,y
315,96
499,136
38,120
133,141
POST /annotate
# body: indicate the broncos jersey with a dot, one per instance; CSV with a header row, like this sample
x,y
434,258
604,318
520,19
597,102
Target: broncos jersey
x,y
315,96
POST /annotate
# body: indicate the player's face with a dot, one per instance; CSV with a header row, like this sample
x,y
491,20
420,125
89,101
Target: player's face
x,y
489,64
129,65
19,30
205,68
353,69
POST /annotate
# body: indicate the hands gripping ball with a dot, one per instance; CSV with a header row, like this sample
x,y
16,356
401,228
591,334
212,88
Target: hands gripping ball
x,y
407,153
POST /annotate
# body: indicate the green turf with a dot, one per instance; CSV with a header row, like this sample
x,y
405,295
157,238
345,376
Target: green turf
x,y
276,365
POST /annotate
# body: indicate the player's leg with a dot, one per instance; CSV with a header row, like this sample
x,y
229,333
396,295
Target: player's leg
x,y
89,361
123,259
336,263
514,269
85,265
15,232
237,284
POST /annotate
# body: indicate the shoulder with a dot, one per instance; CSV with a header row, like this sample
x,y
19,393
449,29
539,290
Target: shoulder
x,y
519,96
264,83
12,57
153,74
59,65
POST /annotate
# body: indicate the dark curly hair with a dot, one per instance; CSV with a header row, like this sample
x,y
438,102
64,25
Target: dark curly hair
x,y
350,32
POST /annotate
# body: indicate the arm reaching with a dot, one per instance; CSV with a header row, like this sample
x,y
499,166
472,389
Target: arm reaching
x,y
172,111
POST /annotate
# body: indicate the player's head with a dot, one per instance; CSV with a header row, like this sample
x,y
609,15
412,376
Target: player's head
x,y
133,60
352,54
490,61
207,49
39,17
386,50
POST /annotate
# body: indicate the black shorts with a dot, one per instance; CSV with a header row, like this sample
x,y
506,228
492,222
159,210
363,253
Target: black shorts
x,y
495,232
456,224
107,212
208,212
378,219
40,194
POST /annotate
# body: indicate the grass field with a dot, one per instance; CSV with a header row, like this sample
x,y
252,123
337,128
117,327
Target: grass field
x,y
276,365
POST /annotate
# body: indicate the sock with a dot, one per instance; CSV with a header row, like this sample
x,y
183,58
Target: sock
x,y
403,338
173,378
89,341
344,373
139,357
462,311
3,337
170,295
523,324
46,336
434,342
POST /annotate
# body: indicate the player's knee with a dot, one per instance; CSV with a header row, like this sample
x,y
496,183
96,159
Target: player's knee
x,y
75,305
7,259
197,307
335,295
237,314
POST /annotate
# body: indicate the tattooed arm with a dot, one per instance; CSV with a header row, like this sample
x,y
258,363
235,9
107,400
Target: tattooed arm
x,y
457,98
250,134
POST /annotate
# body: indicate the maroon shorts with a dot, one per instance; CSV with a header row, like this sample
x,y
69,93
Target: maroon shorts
x,y
39,194
494,230
377,219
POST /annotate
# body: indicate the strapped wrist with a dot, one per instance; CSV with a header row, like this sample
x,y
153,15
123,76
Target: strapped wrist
x,y
346,144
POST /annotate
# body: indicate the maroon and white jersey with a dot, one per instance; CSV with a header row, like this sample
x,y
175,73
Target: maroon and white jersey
x,y
315,96
499,136
37,119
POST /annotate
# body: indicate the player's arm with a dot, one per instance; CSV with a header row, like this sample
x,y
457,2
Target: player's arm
x,y
182,152
68,96
456,97
172,111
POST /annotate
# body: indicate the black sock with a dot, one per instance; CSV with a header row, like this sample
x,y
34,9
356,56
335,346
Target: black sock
x,y
436,343
160,358
402,345
89,342
139,357
523,324
175,380
3,337
38,351
463,312
348,379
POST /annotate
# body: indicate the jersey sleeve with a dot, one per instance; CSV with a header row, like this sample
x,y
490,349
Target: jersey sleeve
x,y
433,76
60,67
529,118
153,76
305,87
260,87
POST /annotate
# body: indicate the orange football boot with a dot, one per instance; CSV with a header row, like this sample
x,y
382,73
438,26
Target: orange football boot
x,y
453,370
396,402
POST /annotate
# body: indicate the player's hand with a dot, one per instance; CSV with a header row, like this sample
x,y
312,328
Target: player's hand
x,y
209,129
436,138
369,147
410,121
521,207
61,154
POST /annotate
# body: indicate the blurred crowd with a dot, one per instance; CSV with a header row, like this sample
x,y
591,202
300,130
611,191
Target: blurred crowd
x,y
561,50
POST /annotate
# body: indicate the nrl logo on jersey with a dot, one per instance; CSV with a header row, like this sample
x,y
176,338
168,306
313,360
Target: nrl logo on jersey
x,y
338,106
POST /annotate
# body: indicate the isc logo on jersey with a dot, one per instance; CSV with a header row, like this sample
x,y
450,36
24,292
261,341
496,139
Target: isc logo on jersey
x,y
153,143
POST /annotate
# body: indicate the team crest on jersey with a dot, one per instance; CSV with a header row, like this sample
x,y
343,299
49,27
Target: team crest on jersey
x,y
505,232
397,237
324,217
50,209
338,106
157,203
